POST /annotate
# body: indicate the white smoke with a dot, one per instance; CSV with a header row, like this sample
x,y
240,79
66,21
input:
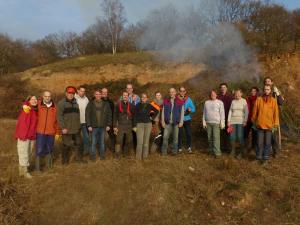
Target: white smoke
x,y
193,34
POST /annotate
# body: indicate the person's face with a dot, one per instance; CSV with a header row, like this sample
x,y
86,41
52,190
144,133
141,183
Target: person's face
x,y
47,97
182,92
213,95
267,90
33,101
223,89
144,98
238,95
125,97
129,89
253,92
104,93
268,82
158,96
172,93
97,95
81,92
70,96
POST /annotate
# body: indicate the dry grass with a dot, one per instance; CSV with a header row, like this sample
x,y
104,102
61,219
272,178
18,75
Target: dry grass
x,y
161,190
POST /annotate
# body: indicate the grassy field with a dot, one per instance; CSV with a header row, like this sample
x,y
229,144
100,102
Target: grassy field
x,y
186,189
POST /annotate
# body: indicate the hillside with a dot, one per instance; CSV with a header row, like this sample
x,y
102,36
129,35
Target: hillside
x,y
185,190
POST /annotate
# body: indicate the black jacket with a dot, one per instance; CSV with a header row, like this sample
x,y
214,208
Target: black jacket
x,y
144,113
91,115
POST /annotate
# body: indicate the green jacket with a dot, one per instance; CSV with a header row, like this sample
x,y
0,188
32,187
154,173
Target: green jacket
x,y
104,117
68,116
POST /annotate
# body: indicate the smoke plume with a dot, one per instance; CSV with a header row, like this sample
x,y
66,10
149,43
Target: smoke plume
x,y
193,34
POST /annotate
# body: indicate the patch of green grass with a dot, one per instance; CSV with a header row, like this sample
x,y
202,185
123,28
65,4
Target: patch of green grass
x,y
78,63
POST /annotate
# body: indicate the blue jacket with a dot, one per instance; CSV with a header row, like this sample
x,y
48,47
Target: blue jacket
x,y
177,109
188,103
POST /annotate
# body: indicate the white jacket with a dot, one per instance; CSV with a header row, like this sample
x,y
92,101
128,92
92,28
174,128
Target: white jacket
x,y
82,102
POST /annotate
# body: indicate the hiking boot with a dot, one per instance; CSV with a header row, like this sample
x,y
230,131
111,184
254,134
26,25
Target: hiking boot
x,y
190,150
180,150
264,163
37,164
23,172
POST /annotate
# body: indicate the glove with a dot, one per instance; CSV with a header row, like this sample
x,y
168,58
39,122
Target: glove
x,y
180,125
277,92
134,129
26,108
274,129
57,137
254,127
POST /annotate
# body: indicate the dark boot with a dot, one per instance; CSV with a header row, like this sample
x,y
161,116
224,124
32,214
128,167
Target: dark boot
x,y
37,164
49,161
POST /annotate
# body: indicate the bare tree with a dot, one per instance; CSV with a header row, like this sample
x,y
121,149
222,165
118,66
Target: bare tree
x,y
114,17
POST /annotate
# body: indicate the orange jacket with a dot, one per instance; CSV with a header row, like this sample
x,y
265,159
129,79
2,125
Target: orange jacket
x,y
47,123
265,113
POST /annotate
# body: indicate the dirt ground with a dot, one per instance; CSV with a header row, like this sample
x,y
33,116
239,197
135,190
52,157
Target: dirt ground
x,y
186,189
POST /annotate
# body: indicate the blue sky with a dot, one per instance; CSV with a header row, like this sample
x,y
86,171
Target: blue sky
x,y
33,19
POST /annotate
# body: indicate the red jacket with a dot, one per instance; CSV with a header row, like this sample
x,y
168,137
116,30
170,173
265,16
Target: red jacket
x,y
47,123
26,124
250,102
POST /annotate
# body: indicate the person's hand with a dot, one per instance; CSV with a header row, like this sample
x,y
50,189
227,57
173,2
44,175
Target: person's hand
x,y
90,129
228,124
116,130
107,128
57,137
222,125
277,92
245,124
163,125
26,108
134,129
64,131
180,125
189,109
204,125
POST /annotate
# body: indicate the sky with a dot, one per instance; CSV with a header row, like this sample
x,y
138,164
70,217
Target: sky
x,y
34,19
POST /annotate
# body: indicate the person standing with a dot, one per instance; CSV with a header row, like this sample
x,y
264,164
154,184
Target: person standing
x,y
68,117
123,124
157,130
189,109
172,120
82,102
265,117
249,128
132,97
47,128
214,120
276,134
98,119
237,120
25,134
143,116
226,98
110,138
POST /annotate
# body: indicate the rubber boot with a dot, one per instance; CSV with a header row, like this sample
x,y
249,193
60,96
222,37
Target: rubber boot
x,y
37,164
49,161
233,146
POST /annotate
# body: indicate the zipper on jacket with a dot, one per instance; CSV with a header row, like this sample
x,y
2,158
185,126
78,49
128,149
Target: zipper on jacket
x,y
46,120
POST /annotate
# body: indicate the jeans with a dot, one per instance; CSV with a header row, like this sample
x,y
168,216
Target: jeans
x,y
44,144
85,137
213,135
143,137
98,138
264,141
124,140
188,131
238,134
170,128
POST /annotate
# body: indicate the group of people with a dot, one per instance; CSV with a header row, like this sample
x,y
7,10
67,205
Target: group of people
x,y
88,125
